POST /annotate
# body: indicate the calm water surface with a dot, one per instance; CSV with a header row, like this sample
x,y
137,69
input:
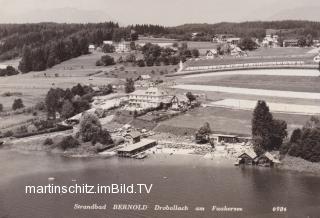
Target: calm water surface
x,y
191,181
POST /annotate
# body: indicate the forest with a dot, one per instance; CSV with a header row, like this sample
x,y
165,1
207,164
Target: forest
x,y
44,45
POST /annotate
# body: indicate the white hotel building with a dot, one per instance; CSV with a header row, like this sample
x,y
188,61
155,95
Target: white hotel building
x,y
150,98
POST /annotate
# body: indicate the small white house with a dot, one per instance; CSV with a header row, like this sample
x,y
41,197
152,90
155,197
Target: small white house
x,y
211,54
108,42
92,48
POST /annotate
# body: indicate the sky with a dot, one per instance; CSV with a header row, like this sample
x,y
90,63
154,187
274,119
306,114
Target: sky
x,y
164,12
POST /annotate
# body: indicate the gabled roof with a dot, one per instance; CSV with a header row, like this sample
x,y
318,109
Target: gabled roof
x,y
250,153
271,157
134,134
213,51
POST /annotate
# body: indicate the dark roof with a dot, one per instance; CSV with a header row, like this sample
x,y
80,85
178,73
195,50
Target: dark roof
x,y
134,134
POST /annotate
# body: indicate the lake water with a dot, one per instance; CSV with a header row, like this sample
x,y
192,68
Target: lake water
x,y
191,180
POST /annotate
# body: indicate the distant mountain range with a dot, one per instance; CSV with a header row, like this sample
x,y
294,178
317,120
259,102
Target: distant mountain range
x,y
58,15
311,13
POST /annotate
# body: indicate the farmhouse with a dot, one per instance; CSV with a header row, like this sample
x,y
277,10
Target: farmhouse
x,y
211,54
122,46
237,52
108,42
133,149
290,43
270,41
233,40
179,101
91,48
150,98
222,38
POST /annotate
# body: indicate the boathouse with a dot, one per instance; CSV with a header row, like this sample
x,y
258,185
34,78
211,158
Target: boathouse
x,y
133,149
267,160
133,137
247,157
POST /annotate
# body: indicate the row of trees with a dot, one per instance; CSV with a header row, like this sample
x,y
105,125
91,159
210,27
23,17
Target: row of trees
x,y
255,29
68,102
305,142
41,58
156,55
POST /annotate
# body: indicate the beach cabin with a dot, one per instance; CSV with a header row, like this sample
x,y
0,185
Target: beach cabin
x,y
267,160
133,137
248,157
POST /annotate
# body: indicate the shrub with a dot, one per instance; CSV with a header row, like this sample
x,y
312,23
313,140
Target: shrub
x,y
41,106
8,133
141,63
48,141
67,109
105,137
17,104
68,142
90,127
107,60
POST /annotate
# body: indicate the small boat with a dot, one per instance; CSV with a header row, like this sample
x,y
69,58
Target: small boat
x,y
165,177
51,178
73,180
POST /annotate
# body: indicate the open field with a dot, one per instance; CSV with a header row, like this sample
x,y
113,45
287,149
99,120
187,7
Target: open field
x,y
281,51
35,85
267,82
274,107
223,120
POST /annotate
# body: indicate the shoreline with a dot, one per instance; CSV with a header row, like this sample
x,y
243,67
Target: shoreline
x,y
168,145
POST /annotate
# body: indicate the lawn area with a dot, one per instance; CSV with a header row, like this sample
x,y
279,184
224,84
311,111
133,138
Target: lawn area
x,y
281,51
222,120
200,45
283,83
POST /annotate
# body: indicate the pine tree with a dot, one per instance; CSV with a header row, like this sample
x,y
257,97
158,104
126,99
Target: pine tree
x,y
25,64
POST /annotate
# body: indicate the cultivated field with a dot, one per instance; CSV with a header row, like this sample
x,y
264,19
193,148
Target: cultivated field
x,y
281,51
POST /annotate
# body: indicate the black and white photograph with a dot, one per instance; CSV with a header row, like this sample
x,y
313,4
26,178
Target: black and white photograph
x,y
159,109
